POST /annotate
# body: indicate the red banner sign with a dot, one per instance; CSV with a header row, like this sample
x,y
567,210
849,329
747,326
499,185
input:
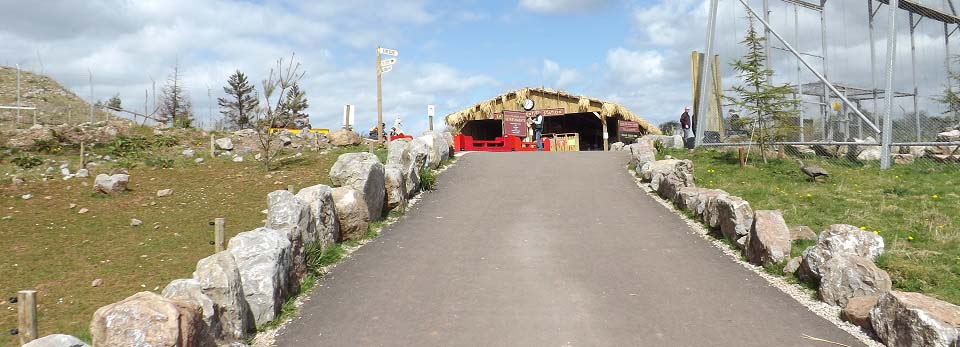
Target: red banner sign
x,y
514,123
628,131
547,112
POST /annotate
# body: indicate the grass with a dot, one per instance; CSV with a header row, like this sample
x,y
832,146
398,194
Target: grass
x,y
915,208
51,248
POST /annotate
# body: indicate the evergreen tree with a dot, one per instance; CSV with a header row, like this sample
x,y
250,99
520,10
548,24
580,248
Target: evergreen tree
x,y
240,106
951,98
293,105
769,108
175,104
114,102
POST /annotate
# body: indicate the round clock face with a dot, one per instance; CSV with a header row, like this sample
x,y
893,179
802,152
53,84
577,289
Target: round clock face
x,y
528,104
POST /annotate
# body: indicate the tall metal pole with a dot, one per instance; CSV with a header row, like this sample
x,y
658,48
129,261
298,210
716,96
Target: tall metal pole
x,y
913,68
379,99
18,94
705,67
873,62
766,32
796,38
91,96
886,137
825,107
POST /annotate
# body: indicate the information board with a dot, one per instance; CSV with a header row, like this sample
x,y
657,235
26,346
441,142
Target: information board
x,y
515,123
628,131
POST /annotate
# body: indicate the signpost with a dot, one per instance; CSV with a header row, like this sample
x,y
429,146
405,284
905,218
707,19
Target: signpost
x,y
383,66
430,115
515,123
628,131
348,116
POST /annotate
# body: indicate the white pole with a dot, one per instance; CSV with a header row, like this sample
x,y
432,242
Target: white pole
x,y
886,137
705,68
18,94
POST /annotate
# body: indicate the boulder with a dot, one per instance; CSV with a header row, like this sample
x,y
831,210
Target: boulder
x,y
857,311
190,291
323,213
224,143
344,137
914,319
802,232
847,276
688,198
438,149
616,146
147,319
363,172
419,154
290,216
164,192
792,265
871,153
711,207
735,217
111,184
351,213
82,173
641,153
800,151
839,239
670,186
411,180
396,192
682,169
397,152
188,153
57,340
219,279
903,159
264,260
769,240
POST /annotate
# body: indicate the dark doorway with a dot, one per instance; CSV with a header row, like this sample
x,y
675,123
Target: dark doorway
x,y
483,130
586,124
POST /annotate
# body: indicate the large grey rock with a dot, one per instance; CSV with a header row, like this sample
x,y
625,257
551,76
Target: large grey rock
x,y
792,265
147,319
323,213
706,208
857,311
802,232
420,154
683,169
224,143
111,184
641,153
351,213
616,146
57,340
264,260
290,216
397,152
363,172
344,137
914,319
845,277
219,279
439,151
735,217
395,186
189,290
839,239
411,180
670,186
800,151
769,240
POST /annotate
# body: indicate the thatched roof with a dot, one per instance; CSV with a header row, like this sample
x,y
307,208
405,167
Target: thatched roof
x,y
545,98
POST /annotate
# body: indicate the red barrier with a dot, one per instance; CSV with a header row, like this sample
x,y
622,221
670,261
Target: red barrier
x,y
401,136
507,143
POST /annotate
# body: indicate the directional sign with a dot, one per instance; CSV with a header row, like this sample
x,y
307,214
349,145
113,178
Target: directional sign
x,y
388,62
430,110
385,69
388,51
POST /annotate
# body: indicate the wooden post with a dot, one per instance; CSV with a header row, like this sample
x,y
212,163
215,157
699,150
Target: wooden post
x,y
218,225
290,188
83,159
741,158
213,147
379,99
27,315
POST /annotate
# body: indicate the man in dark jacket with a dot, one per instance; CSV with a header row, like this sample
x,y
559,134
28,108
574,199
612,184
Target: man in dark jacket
x,y
685,123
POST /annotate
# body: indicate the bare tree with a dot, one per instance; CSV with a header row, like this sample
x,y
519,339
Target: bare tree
x,y
175,103
275,88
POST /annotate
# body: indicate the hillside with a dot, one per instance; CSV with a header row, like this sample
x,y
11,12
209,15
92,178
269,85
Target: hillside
x,y
55,104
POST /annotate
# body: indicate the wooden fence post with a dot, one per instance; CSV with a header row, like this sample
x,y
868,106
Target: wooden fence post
x,y
83,159
218,234
741,158
213,147
27,315
290,188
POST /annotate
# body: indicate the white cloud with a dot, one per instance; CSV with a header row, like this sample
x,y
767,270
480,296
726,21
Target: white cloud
x,y
558,77
635,68
564,6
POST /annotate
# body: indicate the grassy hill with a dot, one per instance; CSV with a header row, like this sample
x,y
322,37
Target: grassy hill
x,y
55,104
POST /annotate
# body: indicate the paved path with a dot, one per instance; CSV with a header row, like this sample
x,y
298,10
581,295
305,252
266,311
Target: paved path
x,y
547,249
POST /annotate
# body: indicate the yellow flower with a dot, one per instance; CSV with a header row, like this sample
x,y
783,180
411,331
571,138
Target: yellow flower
x,y
876,232
909,237
897,177
808,195
935,196
863,228
940,227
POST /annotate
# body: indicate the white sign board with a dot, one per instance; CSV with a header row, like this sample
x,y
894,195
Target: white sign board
x,y
348,115
388,62
388,51
385,69
430,110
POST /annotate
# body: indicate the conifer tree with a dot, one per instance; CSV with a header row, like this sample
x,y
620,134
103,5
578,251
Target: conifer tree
x,y
240,106
175,104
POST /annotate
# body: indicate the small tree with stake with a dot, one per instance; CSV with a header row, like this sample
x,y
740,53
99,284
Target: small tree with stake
x,y
294,105
769,108
275,87
240,105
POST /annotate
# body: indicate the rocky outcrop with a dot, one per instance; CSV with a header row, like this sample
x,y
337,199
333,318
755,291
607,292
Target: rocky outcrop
x,y
857,311
839,239
264,261
290,216
914,319
735,217
847,276
769,240
323,213
147,319
111,184
363,172
344,137
351,213
219,279
396,191
57,340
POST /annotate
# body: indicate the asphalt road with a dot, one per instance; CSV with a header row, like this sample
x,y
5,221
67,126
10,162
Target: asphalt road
x,y
547,249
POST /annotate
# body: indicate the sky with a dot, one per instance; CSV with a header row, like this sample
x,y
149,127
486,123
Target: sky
x,y
452,54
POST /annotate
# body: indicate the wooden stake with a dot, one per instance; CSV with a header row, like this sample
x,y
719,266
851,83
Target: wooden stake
x,y
741,158
213,148
218,225
27,315
290,188
83,159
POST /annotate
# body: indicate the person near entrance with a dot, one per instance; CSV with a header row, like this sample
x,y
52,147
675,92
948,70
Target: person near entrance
x,y
537,122
685,123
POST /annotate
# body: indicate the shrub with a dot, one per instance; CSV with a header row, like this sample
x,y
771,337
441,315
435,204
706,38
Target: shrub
x,y
658,145
428,181
128,146
47,146
160,162
160,141
27,161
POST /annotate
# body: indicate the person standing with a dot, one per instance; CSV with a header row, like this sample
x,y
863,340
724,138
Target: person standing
x,y
538,130
685,123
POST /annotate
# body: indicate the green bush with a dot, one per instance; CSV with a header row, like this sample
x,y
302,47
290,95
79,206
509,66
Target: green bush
x,y
128,146
125,163
428,180
160,162
47,146
160,141
27,161
658,145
